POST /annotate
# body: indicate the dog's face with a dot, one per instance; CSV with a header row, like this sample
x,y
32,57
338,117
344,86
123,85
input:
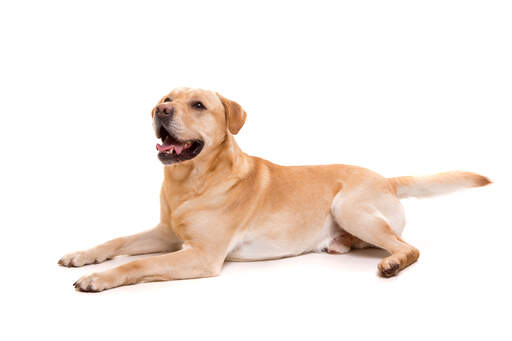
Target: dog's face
x,y
191,122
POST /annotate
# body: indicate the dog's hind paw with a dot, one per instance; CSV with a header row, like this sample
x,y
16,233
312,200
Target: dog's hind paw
x,y
389,268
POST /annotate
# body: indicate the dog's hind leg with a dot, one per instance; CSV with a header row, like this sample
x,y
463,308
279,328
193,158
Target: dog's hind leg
x,y
363,219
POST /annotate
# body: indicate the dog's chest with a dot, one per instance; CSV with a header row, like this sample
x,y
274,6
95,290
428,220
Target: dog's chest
x,y
200,217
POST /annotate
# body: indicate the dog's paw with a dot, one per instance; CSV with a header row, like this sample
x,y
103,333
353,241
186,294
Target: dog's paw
x,y
389,267
80,258
95,282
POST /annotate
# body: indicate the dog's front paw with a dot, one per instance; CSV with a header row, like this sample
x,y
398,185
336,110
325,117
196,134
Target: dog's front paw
x,y
95,282
80,258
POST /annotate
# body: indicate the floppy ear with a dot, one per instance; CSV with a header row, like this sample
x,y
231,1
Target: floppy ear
x,y
235,115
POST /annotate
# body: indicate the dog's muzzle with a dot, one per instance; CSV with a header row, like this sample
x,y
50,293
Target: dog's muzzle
x,y
172,150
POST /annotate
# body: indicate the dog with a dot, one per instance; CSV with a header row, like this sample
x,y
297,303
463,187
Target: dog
x,y
218,203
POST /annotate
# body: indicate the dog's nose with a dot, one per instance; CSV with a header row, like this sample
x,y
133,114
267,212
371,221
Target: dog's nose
x,y
164,110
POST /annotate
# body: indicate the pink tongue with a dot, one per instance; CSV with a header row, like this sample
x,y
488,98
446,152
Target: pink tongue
x,y
163,148
178,148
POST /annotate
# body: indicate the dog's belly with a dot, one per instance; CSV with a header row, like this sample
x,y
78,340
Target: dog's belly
x,y
272,241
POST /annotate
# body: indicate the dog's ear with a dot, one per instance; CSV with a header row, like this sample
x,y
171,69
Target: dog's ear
x,y
235,115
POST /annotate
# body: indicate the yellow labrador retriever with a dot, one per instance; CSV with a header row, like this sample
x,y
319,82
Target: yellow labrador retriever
x,y
218,203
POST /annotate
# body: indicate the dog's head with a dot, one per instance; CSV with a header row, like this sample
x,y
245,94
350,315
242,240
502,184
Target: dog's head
x,y
191,122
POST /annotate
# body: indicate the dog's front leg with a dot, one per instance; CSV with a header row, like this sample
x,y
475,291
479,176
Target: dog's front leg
x,y
159,239
189,262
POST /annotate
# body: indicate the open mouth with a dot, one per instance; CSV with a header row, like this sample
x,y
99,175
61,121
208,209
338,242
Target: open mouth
x,y
173,150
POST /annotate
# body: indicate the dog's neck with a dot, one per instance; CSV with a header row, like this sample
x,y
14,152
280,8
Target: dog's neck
x,y
219,164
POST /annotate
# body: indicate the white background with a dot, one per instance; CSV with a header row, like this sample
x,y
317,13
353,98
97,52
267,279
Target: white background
x,y
401,87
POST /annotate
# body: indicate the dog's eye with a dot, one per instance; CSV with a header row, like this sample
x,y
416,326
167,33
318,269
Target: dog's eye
x,y
198,105
167,99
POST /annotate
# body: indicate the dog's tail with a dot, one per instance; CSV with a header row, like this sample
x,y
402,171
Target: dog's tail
x,y
442,183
